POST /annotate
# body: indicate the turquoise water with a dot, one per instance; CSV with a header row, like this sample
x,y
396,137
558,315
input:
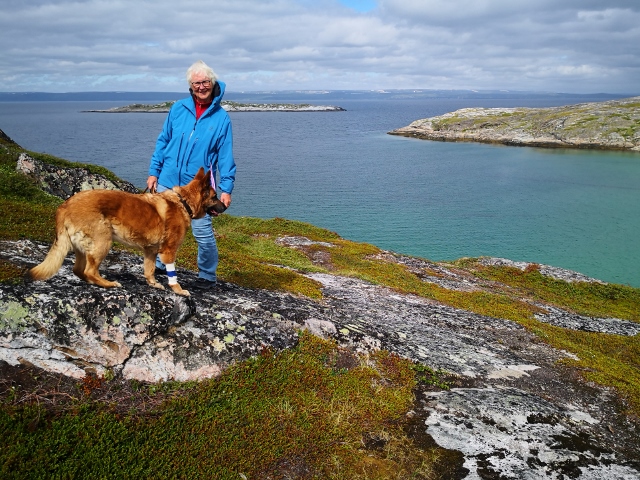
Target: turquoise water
x,y
574,209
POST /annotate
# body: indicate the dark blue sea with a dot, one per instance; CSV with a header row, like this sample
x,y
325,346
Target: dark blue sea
x,y
574,209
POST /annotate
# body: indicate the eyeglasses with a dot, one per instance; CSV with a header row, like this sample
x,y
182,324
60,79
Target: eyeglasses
x,y
204,83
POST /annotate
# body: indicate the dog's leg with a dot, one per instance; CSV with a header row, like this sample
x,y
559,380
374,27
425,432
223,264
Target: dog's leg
x,y
150,267
80,264
93,275
168,259
173,280
94,257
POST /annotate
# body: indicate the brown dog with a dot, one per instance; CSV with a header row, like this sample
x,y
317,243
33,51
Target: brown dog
x,y
91,220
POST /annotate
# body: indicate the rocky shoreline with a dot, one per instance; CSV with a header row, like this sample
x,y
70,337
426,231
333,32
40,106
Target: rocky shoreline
x,y
228,106
611,125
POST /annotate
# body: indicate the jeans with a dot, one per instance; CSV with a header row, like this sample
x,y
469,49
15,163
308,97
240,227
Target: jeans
x,y
207,247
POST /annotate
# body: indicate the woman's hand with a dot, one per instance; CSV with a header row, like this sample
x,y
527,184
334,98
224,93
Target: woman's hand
x,y
152,183
224,198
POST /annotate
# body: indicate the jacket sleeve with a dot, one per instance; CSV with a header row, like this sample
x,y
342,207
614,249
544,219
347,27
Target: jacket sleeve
x,y
157,159
226,163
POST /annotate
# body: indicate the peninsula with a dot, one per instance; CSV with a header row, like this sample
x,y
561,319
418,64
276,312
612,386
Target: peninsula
x,y
611,125
228,106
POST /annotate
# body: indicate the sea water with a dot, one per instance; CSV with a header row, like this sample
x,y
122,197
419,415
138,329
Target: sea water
x,y
576,209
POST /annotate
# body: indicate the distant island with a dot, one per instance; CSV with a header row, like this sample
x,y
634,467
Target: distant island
x,y
611,125
228,106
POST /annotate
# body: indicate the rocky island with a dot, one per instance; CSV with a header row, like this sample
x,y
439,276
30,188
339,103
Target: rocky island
x,y
228,106
611,125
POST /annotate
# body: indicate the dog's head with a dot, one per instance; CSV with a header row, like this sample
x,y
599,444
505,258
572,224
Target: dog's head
x,y
217,208
203,195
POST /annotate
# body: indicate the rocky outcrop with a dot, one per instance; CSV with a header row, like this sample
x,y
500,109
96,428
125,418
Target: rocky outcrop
x,y
64,182
68,326
514,410
613,125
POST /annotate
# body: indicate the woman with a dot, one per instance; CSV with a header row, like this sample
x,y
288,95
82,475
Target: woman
x,y
196,133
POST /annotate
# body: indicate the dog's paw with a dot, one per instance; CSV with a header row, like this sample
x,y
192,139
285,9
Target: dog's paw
x,y
156,285
178,289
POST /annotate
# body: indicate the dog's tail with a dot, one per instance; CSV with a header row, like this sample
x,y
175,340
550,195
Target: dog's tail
x,y
55,257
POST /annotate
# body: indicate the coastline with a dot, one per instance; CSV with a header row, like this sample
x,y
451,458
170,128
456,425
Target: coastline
x,y
228,106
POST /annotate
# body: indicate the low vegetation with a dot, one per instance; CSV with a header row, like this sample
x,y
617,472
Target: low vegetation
x,y
314,411
335,415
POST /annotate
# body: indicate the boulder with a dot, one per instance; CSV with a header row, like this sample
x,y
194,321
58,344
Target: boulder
x,y
64,182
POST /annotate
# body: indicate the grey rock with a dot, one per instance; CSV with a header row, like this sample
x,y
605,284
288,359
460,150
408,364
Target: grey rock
x,y
511,433
546,270
292,241
572,321
64,182
67,326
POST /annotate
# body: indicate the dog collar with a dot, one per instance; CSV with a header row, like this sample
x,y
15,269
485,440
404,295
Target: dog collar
x,y
184,204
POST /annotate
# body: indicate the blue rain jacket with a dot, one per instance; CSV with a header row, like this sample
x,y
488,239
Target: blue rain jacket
x,y
185,145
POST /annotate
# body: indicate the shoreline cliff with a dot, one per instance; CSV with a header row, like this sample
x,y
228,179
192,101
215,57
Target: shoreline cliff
x,y
611,125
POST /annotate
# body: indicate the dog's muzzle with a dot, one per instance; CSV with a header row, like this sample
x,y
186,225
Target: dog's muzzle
x,y
216,209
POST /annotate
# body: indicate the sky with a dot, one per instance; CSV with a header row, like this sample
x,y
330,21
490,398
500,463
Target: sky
x,y
564,46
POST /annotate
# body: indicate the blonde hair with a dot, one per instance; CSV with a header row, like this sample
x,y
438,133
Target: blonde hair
x,y
203,68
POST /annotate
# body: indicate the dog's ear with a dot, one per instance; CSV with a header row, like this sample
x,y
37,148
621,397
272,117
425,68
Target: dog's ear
x,y
200,173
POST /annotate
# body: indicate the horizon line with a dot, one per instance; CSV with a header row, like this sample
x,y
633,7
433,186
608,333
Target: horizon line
x,y
326,91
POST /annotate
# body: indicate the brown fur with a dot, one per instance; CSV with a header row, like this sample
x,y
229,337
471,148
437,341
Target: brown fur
x,y
91,220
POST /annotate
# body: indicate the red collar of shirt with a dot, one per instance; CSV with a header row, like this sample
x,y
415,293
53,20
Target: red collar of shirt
x,y
201,108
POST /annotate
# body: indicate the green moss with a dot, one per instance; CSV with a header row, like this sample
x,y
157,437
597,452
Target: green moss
x,y
584,298
10,273
630,105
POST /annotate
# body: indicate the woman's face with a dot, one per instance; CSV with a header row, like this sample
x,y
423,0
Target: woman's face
x,y
202,87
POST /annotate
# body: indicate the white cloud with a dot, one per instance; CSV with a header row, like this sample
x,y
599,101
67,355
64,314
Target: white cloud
x,y
569,46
